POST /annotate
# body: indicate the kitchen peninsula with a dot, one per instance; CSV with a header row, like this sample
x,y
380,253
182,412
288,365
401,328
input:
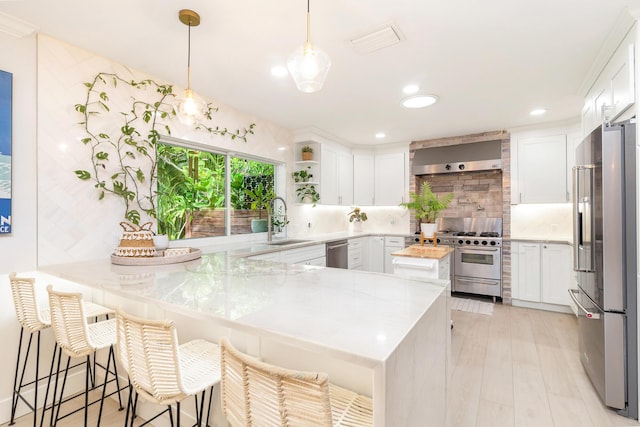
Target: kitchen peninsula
x,y
378,334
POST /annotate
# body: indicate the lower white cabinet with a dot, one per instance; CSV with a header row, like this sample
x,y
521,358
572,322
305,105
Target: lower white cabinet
x,y
376,254
308,255
391,244
541,272
358,254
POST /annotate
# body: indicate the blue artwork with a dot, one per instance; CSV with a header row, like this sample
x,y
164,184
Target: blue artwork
x,y
5,152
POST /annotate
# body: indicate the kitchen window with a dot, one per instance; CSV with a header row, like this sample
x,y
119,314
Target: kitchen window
x,y
208,194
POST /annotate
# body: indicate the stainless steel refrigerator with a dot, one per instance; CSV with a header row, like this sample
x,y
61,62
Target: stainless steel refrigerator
x,y
604,206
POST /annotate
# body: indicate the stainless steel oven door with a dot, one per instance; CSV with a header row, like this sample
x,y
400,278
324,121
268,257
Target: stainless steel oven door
x,y
484,263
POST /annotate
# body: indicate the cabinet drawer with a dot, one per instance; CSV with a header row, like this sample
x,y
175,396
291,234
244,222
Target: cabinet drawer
x,y
394,241
355,257
293,256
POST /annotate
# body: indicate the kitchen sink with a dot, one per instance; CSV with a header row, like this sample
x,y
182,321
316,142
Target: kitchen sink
x,y
286,242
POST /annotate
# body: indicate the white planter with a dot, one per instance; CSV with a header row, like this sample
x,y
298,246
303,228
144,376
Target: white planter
x,y
427,229
357,225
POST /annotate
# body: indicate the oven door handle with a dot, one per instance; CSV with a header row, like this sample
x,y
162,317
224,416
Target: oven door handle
x,y
588,314
466,249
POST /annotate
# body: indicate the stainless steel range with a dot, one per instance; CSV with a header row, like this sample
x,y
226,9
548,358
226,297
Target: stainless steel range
x,y
477,260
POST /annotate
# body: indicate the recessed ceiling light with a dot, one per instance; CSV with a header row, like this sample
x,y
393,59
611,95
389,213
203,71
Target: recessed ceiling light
x,y
409,89
419,101
279,71
380,135
537,112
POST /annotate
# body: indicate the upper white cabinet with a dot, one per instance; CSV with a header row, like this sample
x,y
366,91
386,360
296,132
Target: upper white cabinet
x,y
336,177
539,169
613,92
363,179
389,181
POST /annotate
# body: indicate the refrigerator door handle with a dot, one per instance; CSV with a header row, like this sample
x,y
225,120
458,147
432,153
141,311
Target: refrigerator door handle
x,y
588,314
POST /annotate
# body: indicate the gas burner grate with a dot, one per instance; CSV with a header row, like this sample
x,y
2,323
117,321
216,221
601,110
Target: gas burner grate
x,y
489,234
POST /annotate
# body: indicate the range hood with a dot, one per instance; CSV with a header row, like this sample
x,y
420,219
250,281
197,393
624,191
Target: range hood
x,y
479,156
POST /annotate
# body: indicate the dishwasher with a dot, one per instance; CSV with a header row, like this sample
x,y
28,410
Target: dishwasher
x,y
338,254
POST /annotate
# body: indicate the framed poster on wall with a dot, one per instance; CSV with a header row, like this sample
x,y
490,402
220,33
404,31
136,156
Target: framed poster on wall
x,y
5,152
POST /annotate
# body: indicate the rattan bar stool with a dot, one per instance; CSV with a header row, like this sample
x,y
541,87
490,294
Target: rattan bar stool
x,y
162,371
33,319
255,393
79,339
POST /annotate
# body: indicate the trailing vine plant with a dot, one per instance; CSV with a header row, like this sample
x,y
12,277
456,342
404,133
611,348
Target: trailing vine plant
x,y
123,161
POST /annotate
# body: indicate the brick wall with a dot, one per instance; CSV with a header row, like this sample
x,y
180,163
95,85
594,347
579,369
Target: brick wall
x,y
476,194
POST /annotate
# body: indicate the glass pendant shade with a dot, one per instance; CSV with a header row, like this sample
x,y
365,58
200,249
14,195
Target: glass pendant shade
x,y
190,109
309,67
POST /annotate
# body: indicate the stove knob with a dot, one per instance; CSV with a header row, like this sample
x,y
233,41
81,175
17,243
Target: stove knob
x,y
459,242
461,167
484,242
448,167
493,243
475,242
438,240
468,242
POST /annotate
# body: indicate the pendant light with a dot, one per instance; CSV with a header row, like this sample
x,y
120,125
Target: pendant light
x,y
189,109
309,65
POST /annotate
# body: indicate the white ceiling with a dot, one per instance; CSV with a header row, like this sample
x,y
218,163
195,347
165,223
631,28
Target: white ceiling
x,y
490,62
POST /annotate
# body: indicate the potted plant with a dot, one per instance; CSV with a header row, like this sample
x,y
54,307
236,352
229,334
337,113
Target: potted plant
x,y
427,207
307,153
357,217
303,175
260,198
307,194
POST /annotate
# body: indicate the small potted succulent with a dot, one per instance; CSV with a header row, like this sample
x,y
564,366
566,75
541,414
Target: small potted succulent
x,y
307,153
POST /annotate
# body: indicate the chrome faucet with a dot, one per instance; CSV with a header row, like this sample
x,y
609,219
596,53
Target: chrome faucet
x,y
271,213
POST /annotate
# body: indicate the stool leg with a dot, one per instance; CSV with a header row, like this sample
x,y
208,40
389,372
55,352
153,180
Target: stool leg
x,y
15,396
209,407
64,382
46,393
35,388
87,373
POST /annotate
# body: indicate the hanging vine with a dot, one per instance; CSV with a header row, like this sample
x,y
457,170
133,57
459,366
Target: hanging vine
x,y
123,160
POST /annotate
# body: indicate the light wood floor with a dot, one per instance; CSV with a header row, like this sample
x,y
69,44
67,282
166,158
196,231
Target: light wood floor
x,y
521,367
517,367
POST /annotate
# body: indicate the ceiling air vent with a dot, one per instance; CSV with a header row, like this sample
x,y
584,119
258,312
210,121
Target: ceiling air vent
x,y
381,37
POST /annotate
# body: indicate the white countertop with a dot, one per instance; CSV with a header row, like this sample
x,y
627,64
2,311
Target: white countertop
x,y
355,314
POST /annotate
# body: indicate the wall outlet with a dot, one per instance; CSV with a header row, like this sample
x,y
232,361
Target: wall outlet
x,y
309,225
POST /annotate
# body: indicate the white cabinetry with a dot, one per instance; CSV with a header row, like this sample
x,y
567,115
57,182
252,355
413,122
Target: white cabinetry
x,y
542,274
540,170
363,179
358,254
389,182
426,268
613,92
308,255
336,177
391,244
376,254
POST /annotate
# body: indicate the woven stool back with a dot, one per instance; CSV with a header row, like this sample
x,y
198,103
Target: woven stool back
x,y
259,394
26,304
69,323
148,351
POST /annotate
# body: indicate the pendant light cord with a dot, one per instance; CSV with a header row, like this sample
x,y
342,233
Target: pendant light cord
x,y
189,58
308,24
